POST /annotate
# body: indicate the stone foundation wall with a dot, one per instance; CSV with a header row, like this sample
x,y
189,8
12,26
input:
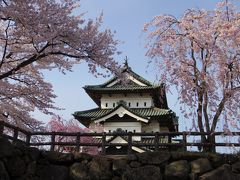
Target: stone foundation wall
x,y
22,163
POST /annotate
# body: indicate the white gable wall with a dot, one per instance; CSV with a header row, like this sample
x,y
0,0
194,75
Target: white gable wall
x,y
136,81
125,126
129,77
135,100
121,111
121,140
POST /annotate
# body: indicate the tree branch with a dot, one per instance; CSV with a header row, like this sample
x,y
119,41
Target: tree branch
x,y
195,69
4,1
5,45
19,80
221,106
205,113
218,113
23,64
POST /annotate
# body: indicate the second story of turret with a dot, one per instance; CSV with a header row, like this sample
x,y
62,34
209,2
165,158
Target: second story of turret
x,y
131,100
130,89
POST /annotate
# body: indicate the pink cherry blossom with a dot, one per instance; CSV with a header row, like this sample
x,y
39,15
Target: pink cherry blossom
x,y
58,124
199,54
37,35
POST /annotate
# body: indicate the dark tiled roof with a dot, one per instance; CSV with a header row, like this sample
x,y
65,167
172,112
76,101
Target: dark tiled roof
x,y
142,112
147,112
138,77
120,88
92,113
130,72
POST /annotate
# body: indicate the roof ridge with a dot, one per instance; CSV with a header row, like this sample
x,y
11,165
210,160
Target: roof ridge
x,y
140,78
121,88
128,70
88,110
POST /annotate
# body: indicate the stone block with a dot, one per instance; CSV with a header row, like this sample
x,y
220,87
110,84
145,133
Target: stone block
x,y
100,168
79,171
52,172
6,148
143,173
236,168
3,172
200,166
222,173
135,164
16,166
153,158
177,170
58,158
78,157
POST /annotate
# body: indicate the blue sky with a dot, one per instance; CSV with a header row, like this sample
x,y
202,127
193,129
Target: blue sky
x,y
127,18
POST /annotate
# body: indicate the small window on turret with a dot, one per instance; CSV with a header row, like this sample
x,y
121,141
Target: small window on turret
x,y
145,104
106,104
137,104
113,104
129,104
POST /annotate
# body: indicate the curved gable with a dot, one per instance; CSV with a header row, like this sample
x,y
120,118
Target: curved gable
x,y
120,111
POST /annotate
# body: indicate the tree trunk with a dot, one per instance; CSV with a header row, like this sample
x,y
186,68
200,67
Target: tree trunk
x,y
211,141
200,116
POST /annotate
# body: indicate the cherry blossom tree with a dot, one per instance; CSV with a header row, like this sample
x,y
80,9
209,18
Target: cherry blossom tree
x,y
58,124
37,35
199,54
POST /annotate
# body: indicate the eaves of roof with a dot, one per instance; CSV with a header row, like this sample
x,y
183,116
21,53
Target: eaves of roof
x,y
142,112
120,88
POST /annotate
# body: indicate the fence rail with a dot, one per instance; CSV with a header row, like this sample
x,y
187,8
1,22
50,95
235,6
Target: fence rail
x,y
27,137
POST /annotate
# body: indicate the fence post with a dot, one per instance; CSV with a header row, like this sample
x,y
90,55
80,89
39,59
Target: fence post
x,y
103,143
184,141
130,143
28,139
156,141
169,141
78,142
52,141
15,135
1,127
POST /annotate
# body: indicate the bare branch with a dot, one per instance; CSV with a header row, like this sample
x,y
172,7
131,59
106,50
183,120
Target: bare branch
x,y
23,64
205,111
218,112
19,80
5,45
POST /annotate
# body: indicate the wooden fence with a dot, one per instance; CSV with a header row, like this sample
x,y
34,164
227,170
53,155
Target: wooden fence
x,y
28,138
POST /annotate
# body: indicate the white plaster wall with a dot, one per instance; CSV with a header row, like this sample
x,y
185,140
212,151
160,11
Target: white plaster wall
x,y
152,126
126,126
143,101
